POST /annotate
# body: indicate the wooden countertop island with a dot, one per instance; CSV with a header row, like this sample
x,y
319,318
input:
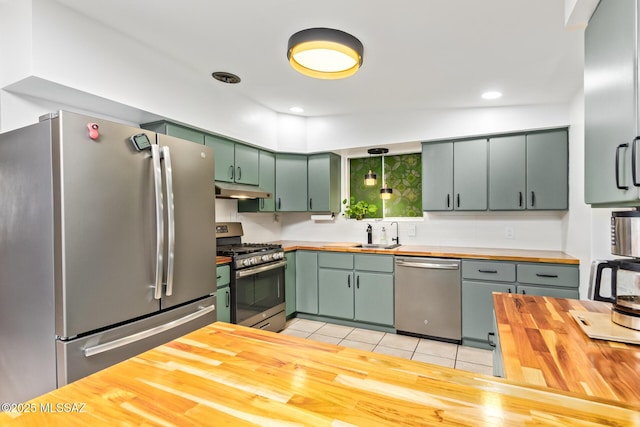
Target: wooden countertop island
x,y
542,344
230,375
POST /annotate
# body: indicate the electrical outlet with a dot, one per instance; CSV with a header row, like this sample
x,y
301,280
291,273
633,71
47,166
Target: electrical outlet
x,y
411,231
508,232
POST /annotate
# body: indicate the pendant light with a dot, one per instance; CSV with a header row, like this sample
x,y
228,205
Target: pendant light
x,y
386,192
325,53
370,179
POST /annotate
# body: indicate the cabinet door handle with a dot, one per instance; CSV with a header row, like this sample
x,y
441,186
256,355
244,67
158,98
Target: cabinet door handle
x,y
533,199
487,271
261,203
458,200
448,200
279,203
618,186
520,198
349,281
524,292
239,174
509,290
358,282
228,302
310,203
634,175
231,171
490,335
218,277
555,276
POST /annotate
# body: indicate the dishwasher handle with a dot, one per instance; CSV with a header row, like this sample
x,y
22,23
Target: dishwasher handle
x,y
428,264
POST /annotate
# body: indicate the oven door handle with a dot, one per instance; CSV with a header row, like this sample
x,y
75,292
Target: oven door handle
x,y
255,270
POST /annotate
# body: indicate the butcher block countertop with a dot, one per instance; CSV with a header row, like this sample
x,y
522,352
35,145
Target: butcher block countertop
x,y
439,251
543,345
223,260
231,375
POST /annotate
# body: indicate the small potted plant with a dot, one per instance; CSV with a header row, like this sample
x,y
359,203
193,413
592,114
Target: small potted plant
x,y
357,210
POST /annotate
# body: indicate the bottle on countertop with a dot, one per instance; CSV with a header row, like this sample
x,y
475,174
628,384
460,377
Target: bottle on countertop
x,y
383,236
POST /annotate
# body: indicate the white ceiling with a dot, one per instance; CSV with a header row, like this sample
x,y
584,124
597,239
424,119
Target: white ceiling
x,y
418,54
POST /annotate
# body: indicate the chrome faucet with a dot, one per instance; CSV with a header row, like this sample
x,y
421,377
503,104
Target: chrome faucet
x,y
369,234
397,238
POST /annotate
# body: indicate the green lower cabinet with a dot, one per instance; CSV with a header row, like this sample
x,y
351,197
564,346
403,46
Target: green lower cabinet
x,y
290,284
356,287
307,282
481,278
374,298
335,293
223,304
477,309
223,294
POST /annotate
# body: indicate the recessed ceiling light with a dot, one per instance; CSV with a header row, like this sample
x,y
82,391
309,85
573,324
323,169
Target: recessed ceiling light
x,y
296,109
491,95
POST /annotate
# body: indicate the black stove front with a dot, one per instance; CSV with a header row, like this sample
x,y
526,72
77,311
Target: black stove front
x,y
257,286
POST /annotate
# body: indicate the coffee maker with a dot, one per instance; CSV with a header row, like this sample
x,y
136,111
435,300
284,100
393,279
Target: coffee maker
x,y
624,288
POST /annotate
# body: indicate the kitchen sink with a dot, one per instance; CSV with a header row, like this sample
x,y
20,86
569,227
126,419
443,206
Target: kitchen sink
x,y
379,246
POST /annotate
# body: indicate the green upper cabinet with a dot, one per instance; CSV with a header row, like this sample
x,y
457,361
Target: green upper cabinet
x,y
234,162
324,180
291,183
529,171
507,163
266,181
437,176
454,175
470,175
173,129
223,151
548,170
611,100
511,172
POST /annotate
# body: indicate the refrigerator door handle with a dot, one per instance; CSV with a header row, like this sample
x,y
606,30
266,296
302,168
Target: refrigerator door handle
x,y
171,222
121,342
157,184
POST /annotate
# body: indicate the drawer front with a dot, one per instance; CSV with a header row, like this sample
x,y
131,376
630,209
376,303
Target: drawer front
x,y
488,270
549,274
335,260
223,274
381,263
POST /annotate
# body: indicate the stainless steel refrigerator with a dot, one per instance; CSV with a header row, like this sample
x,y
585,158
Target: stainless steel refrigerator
x,y
107,247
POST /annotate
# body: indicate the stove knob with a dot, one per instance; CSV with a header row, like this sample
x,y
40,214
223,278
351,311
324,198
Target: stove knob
x,y
246,262
253,261
265,258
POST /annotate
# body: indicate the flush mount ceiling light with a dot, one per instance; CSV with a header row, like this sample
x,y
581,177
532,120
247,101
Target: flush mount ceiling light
x,y
370,178
325,53
296,110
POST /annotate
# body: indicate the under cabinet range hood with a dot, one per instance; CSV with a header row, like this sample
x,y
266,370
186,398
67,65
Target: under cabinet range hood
x,y
225,190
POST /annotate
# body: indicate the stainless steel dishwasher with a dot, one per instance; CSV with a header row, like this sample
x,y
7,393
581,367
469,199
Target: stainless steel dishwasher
x,y
427,298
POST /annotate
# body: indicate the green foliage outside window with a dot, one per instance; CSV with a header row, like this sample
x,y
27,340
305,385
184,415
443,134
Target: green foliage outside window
x,y
403,173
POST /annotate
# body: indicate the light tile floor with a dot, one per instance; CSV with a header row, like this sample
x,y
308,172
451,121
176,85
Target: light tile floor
x,y
423,350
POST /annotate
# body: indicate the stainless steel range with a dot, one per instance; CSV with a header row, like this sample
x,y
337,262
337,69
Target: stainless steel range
x,y
257,286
